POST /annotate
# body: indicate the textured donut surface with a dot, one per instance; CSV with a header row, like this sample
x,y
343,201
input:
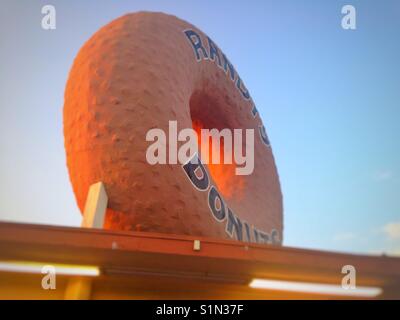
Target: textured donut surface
x,y
139,72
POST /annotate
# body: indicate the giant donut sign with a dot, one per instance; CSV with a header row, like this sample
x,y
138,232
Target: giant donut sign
x,y
146,71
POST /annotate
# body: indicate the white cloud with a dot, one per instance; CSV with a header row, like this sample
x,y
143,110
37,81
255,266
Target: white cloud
x,y
383,175
346,236
395,252
392,230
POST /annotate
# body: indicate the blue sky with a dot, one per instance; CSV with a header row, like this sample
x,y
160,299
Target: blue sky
x,y
329,97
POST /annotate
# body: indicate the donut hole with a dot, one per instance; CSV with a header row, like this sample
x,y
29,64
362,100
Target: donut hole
x,y
215,112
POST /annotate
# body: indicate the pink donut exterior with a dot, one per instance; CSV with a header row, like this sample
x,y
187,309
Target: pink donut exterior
x,y
139,72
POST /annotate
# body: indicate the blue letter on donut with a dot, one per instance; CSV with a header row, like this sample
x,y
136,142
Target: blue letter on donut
x,y
195,41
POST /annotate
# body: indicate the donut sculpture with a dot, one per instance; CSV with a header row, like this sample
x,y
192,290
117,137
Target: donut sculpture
x,y
138,73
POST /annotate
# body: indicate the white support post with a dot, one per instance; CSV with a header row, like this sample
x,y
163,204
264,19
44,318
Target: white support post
x,y
95,207
80,288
